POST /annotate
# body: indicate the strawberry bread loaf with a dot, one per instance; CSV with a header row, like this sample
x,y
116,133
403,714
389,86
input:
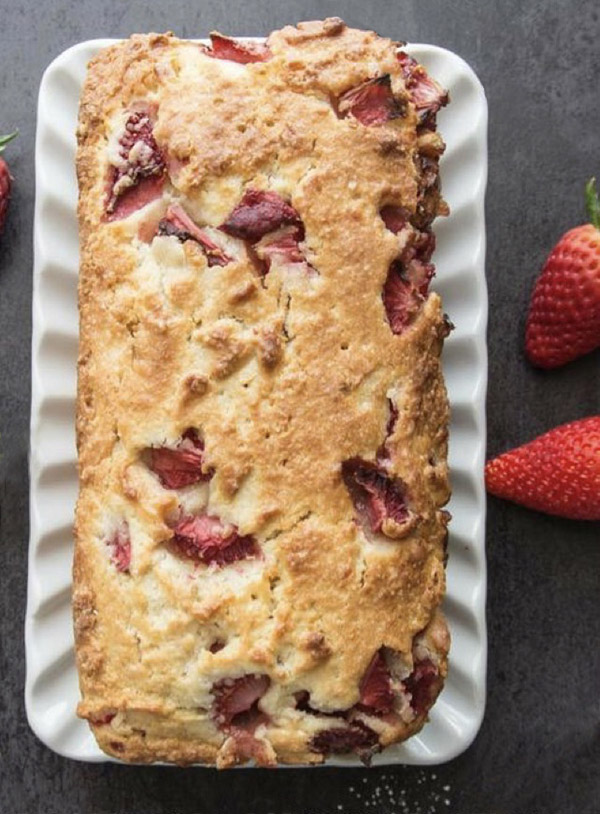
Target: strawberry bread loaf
x,y
262,418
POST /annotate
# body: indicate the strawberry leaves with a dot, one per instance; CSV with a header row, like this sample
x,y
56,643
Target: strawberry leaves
x,y
592,203
4,140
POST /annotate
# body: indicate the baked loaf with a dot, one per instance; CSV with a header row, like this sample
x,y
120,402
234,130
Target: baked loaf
x,y
262,418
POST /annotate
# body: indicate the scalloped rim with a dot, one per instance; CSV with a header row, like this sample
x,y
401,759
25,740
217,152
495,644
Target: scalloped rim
x,y
452,727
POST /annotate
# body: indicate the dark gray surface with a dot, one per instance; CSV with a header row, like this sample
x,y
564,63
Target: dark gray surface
x,y
539,748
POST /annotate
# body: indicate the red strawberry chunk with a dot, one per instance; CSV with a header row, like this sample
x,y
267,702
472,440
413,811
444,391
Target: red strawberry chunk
x,y
177,468
422,246
416,257
236,696
420,275
281,247
103,720
422,685
135,197
178,223
120,544
247,747
413,263
137,135
258,213
376,693
204,538
426,95
376,497
395,217
340,740
180,466
141,158
236,51
371,103
401,298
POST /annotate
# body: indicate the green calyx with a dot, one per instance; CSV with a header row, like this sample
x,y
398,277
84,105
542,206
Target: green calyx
x,y
5,139
592,203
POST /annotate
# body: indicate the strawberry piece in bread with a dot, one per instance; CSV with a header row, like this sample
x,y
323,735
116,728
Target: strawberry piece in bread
x,y
179,466
222,47
423,686
178,223
404,292
425,93
258,213
206,539
395,217
371,103
376,694
281,248
120,545
138,177
235,697
377,498
135,197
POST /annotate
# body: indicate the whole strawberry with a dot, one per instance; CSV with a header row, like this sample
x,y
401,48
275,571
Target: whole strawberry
x,y
564,314
5,180
557,473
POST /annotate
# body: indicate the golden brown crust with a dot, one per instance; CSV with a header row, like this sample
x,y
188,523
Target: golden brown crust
x,y
285,376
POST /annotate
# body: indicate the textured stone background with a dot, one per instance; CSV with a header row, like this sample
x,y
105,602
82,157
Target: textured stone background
x,y
539,748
